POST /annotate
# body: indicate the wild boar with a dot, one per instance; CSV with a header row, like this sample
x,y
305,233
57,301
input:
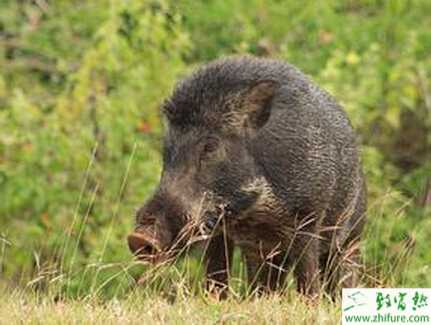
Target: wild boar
x,y
267,161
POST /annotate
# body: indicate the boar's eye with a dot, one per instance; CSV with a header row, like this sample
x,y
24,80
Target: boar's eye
x,y
211,145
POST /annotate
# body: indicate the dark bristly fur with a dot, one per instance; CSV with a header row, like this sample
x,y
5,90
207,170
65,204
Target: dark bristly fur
x,y
268,162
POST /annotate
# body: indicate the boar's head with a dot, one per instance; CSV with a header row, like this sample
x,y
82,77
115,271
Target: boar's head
x,y
212,118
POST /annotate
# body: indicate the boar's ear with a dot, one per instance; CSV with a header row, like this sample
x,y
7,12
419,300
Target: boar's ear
x,y
254,107
168,110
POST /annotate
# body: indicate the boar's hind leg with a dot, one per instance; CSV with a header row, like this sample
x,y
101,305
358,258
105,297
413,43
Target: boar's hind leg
x,y
341,269
306,268
342,261
218,258
305,253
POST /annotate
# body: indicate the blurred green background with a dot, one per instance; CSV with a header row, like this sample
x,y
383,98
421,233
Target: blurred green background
x,y
80,87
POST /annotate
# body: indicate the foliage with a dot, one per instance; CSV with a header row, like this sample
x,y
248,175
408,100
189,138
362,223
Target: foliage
x,y
80,87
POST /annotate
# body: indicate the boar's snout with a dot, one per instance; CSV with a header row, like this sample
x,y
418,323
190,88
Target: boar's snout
x,y
158,224
142,246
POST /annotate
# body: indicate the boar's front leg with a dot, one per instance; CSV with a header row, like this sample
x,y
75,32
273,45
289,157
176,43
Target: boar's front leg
x,y
218,259
265,273
263,278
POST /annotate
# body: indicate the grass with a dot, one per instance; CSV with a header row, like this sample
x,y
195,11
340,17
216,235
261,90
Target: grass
x,y
18,306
